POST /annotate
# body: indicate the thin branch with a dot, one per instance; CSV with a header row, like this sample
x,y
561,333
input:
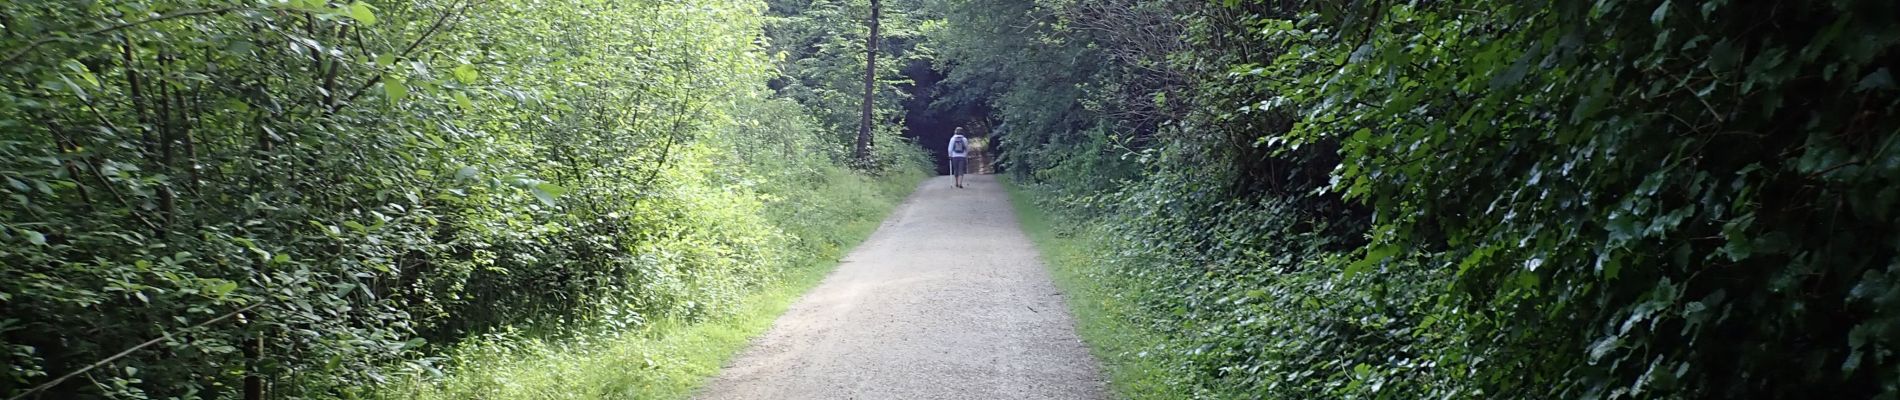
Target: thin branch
x,y
127,352
433,28
181,14
329,75
93,165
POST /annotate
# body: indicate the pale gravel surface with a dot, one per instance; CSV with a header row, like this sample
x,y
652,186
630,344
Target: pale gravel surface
x,y
948,300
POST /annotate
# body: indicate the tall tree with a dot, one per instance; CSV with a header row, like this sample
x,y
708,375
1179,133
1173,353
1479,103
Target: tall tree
x,y
863,151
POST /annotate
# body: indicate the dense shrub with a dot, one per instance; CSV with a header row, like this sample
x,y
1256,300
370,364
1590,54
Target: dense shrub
x,y
1616,199
1688,204
305,197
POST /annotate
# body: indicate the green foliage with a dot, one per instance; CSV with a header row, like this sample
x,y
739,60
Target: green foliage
x,y
819,45
1652,186
982,44
671,357
1138,358
1616,199
371,184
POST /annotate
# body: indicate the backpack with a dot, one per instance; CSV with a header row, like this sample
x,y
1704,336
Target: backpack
x,y
958,146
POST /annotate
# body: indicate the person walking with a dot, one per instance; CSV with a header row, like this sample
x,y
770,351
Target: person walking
x,y
959,155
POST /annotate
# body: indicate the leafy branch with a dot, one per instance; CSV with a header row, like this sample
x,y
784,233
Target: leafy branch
x,y
440,23
16,54
122,354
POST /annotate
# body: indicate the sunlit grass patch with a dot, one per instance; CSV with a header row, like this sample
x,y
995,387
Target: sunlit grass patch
x,y
668,360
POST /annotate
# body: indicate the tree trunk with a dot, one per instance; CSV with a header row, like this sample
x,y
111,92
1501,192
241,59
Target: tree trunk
x,y
253,354
862,152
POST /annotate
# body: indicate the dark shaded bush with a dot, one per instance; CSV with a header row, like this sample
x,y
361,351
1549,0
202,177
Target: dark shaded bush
x,y
1617,199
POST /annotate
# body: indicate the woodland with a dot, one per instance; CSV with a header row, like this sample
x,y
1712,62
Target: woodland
x,y
1275,199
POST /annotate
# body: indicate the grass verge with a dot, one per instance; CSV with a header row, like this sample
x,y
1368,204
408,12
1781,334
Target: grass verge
x,y
668,359
1136,358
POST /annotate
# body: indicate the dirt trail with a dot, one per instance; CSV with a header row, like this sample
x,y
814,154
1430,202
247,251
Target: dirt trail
x,y
948,300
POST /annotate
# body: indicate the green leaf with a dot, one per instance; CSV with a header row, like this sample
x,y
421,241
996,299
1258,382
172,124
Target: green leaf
x,y
308,5
1662,11
1527,280
358,226
1373,257
465,73
220,288
1853,361
1738,249
1610,266
461,99
362,12
395,89
34,237
82,71
1879,79
1603,346
547,192
77,90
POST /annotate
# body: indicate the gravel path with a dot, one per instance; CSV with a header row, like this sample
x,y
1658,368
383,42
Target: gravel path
x,y
948,300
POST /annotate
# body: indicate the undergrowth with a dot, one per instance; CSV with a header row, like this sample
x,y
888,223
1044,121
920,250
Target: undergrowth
x,y
670,358
1137,358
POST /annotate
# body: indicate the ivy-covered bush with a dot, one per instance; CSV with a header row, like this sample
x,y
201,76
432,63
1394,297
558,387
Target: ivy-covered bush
x,y
297,199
